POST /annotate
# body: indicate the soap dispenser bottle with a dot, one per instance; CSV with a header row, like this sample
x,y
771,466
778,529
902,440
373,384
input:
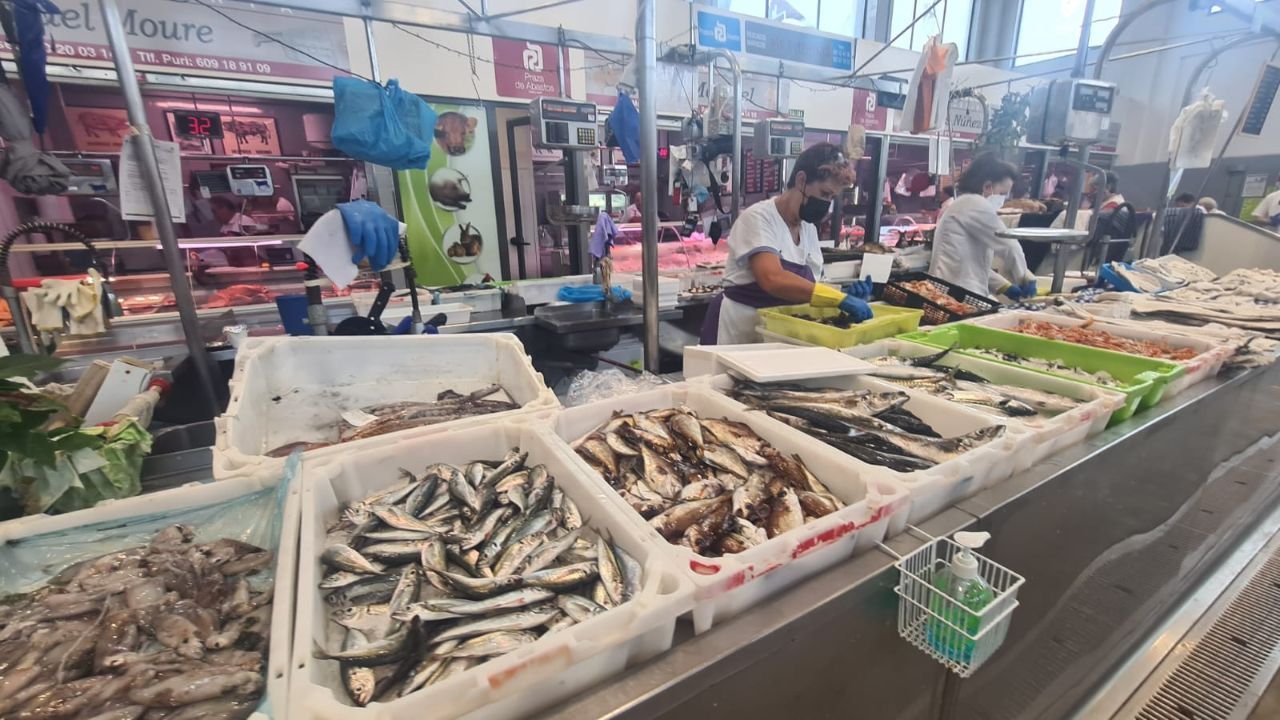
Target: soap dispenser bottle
x,y
969,593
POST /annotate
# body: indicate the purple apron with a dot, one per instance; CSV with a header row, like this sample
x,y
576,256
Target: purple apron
x,y
751,295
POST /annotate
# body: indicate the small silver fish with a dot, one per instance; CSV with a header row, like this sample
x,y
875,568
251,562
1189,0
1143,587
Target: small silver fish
x,y
579,608
497,643
342,557
519,620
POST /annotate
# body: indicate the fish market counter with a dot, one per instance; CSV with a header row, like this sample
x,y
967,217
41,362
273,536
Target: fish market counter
x,y
1110,534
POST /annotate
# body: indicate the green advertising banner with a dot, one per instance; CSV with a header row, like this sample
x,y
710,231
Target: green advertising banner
x,y
453,225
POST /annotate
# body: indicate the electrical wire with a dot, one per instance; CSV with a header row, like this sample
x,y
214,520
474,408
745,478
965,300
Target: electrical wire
x,y
487,61
277,40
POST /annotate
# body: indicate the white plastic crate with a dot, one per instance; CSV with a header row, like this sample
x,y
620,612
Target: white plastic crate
x,y
1045,436
519,683
177,502
876,504
935,488
543,290
289,390
1208,360
931,620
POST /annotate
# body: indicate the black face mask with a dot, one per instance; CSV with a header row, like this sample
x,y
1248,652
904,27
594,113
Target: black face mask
x,y
814,209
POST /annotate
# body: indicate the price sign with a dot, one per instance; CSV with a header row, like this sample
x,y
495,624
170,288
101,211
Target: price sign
x,y
189,124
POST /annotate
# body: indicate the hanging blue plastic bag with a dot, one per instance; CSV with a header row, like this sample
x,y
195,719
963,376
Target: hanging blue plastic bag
x,y
387,126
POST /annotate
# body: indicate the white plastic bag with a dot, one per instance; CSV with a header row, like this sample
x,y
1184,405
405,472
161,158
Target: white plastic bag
x,y
1192,139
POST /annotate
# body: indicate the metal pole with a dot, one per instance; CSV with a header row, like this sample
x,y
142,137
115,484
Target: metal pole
x,y
146,157
736,191
1082,46
647,58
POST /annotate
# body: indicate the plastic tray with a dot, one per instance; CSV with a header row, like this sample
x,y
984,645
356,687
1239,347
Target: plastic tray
x,y
1208,360
295,389
709,359
887,322
176,502
485,300
1046,436
513,685
896,293
1144,380
540,292
876,505
937,487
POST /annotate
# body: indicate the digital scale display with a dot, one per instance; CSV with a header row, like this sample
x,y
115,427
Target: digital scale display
x,y
197,124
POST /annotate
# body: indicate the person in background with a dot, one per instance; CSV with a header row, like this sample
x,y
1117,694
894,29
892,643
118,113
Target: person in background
x,y
1268,211
949,196
1107,190
1210,206
1184,200
233,221
635,210
774,256
965,244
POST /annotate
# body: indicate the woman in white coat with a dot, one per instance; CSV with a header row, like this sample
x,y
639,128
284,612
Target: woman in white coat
x,y
965,244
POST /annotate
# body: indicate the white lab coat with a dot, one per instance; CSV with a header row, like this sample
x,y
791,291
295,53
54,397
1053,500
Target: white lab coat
x,y
760,228
966,248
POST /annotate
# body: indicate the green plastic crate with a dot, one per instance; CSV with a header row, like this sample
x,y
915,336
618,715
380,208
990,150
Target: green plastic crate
x,y
1143,379
887,321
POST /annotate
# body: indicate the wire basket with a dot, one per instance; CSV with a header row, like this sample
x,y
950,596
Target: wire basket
x,y
960,638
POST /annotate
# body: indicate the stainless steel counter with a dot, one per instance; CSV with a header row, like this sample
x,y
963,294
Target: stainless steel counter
x,y
1108,533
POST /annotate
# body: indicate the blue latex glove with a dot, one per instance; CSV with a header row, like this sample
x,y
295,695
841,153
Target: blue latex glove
x,y
861,289
855,308
1015,292
1029,288
374,233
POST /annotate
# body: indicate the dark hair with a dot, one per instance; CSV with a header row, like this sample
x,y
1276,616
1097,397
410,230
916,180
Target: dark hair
x,y
949,191
219,201
1111,181
819,162
1187,198
986,168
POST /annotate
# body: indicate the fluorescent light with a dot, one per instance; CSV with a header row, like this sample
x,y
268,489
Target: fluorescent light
x,y
1215,9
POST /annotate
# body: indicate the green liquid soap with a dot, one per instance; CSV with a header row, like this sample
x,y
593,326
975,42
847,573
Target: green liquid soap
x,y
961,582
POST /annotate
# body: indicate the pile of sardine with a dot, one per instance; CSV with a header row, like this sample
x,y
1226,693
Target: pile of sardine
x,y
401,415
871,426
713,486
969,388
172,630
442,571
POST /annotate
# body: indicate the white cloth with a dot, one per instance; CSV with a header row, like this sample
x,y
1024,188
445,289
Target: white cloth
x,y
240,224
760,228
1082,219
965,248
1268,208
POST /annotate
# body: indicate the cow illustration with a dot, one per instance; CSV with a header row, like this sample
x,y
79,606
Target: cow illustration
x,y
94,123
455,132
245,129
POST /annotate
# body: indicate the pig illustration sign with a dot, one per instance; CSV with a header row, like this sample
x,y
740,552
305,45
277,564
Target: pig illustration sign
x,y
169,35
98,129
453,230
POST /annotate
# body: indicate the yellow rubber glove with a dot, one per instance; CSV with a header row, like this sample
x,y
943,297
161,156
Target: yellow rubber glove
x,y
825,296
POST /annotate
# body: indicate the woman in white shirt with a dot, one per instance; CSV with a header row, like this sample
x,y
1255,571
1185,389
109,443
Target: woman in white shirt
x,y
965,244
774,257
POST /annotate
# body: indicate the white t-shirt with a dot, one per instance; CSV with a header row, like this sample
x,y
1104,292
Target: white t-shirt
x,y
240,224
965,247
1268,208
760,228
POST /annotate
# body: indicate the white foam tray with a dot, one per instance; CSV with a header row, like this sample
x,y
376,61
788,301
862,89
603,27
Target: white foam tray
x,y
520,683
1044,436
709,359
1208,360
295,389
935,488
793,363
189,497
876,505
